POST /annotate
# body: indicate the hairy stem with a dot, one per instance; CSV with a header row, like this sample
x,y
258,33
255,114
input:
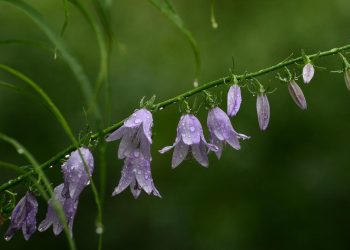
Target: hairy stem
x,y
176,99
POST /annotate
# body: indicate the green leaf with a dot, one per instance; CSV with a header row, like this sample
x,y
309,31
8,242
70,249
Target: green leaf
x,y
169,11
34,44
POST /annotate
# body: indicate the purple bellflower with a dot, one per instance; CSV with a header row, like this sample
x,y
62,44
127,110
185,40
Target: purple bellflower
x,y
308,72
23,217
263,111
347,77
190,138
69,207
221,131
234,100
75,173
297,95
135,133
136,173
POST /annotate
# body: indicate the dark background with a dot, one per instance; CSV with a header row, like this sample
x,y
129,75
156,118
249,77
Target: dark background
x,y
287,188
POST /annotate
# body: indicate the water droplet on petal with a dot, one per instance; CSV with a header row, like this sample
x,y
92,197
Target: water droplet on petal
x,y
7,238
137,121
66,156
136,153
192,129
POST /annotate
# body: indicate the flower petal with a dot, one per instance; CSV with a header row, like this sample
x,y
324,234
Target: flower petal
x,y
200,154
126,179
116,135
190,129
179,154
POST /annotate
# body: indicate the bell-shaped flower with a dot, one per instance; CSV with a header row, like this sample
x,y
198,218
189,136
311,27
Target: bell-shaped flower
x,y
23,217
221,131
69,207
76,172
135,133
263,111
234,100
297,95
190,138
136,173
308,72
347,77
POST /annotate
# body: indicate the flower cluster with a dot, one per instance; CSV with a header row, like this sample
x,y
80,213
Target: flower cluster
x,y
135,137
135,149
77,171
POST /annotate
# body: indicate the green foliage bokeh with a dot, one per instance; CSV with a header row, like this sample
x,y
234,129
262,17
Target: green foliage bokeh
x,y
287,188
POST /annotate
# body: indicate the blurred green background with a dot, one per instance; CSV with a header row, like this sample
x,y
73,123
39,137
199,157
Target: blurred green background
x,y
287,188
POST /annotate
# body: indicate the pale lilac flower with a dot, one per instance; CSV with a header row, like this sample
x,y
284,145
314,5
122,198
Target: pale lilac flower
x,y
23,217
297,95
221,131
308,72
75,173
263,110
69,207
347,77
190,138
135,133
136,173
234,100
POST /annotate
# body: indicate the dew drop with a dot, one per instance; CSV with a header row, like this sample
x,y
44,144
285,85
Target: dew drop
x,y
161,108
20,151
66,156
99,230
136,153
192,129
7,238
137,121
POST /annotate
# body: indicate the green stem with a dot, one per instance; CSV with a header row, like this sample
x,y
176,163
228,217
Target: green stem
x,y
176,99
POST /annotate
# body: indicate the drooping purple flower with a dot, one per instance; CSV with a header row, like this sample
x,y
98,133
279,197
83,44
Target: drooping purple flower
x,y
69,207
263,111
75,173
347,78
23,217
135,133
308,72
297,95
136,173
190,138
234,100
221,131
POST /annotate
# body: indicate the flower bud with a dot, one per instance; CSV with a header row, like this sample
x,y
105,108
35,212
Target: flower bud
x,y
347,77
297,94
234,100
308,72
263,111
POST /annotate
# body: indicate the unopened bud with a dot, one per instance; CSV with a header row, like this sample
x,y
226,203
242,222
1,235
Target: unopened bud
x,y
347,77
308,72
263,111
297,95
